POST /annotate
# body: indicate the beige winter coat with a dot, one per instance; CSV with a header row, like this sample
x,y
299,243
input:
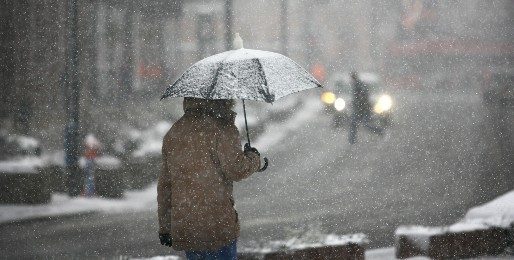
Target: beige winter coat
x,y
202,157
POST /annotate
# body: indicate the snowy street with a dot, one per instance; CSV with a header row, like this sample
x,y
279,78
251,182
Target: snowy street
x,y
426,170
385,129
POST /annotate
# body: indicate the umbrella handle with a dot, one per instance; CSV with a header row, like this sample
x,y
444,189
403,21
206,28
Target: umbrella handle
x,y
246,124
265,165
248,137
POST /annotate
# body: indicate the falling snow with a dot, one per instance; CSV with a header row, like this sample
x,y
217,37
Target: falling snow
x,y
419,143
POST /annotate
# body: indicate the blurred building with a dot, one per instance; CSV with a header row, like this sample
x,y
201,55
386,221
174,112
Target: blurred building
x,y
32,46
448,44
123,58
131,50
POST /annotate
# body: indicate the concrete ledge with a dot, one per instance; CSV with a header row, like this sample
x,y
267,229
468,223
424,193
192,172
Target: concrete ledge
x,y
349,251
312,246
406,247
24,188
439,244
57,178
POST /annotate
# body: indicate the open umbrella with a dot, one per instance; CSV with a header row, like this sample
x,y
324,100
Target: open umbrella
x,y
244,74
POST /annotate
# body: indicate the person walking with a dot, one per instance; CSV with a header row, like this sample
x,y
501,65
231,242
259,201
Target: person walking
x,y
361,109
201,158
91,151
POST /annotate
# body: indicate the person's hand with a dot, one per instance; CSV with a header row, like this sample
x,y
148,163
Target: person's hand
x,y
248,148
165,239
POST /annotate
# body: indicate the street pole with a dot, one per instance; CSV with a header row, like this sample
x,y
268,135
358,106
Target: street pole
x,y
71,131
126,73
284,26
228,24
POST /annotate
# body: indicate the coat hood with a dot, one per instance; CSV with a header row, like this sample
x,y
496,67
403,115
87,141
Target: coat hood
x,y
221,108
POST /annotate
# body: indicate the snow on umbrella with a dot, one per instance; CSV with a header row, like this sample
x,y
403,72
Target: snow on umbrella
x,y
244,74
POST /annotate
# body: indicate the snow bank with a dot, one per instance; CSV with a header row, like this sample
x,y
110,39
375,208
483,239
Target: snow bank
x,y
498,212
386,254
26,142
150,139
64,205
104,162
420,235
25,164
31,164
171,257
108,162
430,231
55,158
319,240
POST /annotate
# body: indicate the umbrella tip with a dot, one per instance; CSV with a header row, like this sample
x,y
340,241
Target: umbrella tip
x,y
238,42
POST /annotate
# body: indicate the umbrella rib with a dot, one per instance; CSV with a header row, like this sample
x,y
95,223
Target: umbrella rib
x,y
311,79
269,98
213,84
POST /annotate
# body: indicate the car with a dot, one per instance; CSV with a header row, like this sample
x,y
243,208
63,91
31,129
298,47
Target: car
x,y
338,97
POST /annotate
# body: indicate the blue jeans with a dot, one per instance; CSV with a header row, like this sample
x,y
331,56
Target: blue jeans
x,y
228,252
89,185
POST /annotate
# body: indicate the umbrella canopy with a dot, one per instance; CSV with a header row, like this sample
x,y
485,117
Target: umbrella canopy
x,y
242,74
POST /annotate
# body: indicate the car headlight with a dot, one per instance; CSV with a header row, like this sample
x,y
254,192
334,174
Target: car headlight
x,y
384,103
328,97
339,104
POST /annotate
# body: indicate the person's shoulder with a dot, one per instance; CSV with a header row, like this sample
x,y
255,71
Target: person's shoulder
x,y
224,127
174,127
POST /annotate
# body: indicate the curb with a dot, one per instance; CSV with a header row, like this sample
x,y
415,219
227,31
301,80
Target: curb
x,y
348,251
465,244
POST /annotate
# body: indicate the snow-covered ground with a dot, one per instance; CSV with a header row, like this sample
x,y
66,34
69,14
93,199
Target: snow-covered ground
x,y
62,205
389,254
170,257
496,213
310,240
386,254
150,139
22,164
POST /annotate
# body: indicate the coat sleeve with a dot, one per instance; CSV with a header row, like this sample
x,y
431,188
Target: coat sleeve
x,y
235,164
164,196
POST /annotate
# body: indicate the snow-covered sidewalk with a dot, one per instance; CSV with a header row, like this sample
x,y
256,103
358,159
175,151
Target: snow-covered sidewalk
x,y
63,205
